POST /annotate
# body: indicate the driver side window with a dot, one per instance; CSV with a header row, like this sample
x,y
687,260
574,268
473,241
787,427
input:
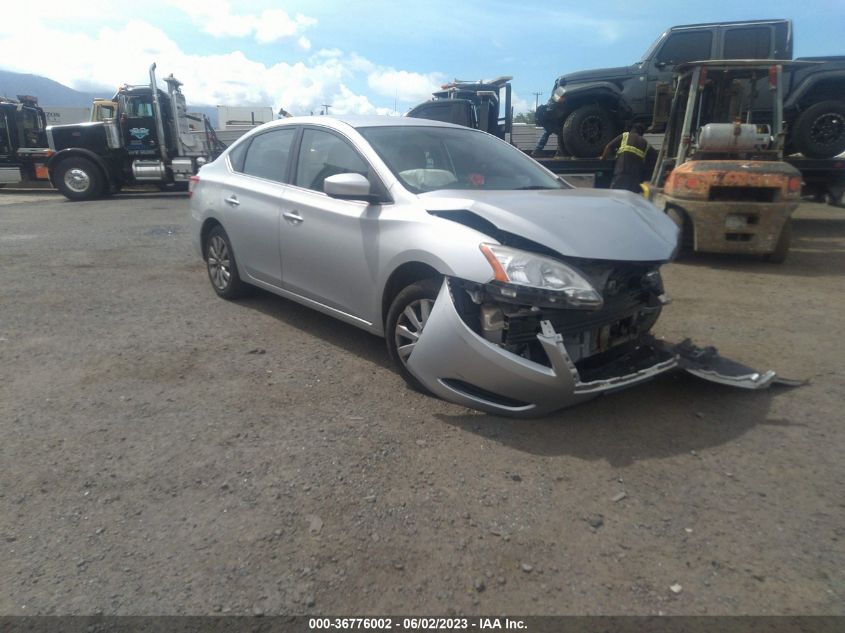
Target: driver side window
x,y
321,155
686,47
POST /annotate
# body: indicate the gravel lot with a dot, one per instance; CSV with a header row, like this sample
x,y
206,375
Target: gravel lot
x,y
166,452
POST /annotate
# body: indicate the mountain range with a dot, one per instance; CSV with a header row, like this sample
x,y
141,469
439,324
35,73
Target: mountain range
x,y
52,93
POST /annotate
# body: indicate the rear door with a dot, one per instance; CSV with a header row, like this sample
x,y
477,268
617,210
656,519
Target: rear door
x,y
253,200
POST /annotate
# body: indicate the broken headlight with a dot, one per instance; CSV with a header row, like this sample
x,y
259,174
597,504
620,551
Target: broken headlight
x,y
518,269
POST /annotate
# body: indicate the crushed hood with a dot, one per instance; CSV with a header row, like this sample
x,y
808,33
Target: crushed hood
x,y
586,223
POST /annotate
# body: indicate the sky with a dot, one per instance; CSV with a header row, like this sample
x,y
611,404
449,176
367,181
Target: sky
x,y
361,56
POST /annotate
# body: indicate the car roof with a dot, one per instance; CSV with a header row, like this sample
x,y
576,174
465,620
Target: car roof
x,y
364,120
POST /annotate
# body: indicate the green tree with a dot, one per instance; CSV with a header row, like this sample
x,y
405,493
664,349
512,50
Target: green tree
x,y
524,117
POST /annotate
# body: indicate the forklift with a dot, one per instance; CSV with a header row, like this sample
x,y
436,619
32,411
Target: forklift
x,y
721,174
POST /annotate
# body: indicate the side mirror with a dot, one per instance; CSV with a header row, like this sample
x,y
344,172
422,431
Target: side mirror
x,y
348,187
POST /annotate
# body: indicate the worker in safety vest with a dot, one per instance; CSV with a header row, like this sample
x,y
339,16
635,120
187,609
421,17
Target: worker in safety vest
x,y
635,159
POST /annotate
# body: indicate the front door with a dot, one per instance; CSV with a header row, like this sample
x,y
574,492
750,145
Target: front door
x,y
329,245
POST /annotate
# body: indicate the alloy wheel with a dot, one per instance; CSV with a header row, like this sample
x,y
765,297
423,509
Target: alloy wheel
x,y
409,327
219,263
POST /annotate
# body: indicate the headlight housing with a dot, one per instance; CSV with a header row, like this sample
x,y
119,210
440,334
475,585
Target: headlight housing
x,y
558,282
558,94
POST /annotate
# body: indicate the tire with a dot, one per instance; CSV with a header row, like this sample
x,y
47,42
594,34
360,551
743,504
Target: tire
x,y
399,348
819,131
79,179
221,265
562,149
587,130
679,217
778,256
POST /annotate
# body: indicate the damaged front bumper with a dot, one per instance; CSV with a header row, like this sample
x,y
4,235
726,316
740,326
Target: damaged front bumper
x,y
458,365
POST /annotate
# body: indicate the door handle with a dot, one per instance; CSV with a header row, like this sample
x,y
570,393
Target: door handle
x,y
233,200
293,217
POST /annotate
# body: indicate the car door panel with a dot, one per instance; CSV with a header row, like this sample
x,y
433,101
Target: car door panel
x,y
253,201
328,245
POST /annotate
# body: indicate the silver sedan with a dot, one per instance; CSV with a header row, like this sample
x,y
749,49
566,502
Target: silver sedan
x,y
495,284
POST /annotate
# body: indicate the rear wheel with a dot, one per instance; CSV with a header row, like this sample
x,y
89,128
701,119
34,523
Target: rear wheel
x,y
679,217
406,319
778,256
587,130
820,130
221,264
79,179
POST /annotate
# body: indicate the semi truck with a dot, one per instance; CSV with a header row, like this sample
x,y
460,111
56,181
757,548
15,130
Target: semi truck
x,y
23,141
143,135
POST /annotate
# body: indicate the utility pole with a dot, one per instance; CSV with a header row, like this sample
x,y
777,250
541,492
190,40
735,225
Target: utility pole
x,y
536,100
326,107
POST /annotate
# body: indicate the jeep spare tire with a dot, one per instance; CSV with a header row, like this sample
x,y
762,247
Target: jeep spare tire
x,y
819,131
587,130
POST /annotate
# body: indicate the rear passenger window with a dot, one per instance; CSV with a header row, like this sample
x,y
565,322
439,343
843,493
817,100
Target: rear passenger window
x,y
237,155
267,155
322,155
750,43
686,47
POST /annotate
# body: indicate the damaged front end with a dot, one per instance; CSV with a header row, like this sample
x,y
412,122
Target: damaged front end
x,y
519,352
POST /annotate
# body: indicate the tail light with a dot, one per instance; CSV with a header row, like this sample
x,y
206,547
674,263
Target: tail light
x,y
192,183
794,184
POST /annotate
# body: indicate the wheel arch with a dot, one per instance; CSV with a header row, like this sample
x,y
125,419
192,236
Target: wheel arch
x,y
821,87
207,225
405,275
78,152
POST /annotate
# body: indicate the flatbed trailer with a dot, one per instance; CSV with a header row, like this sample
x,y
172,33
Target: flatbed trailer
x,y
823,178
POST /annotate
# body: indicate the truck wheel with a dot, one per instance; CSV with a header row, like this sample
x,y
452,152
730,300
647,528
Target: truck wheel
x,y
820,130
587,130
778,256
79,179
562,149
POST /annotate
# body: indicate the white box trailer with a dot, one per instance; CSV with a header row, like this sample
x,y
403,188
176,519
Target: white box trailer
x,y
61,115
242,117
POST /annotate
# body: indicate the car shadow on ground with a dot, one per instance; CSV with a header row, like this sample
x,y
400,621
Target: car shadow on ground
x,y
818,250
672,415
343,335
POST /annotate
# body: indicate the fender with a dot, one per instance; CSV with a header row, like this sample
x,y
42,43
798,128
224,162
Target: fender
x,y
811,82
575,94
81,152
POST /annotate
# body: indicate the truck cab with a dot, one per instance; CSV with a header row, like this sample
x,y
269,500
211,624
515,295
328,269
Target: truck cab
x,y
143,135
483,105
23,140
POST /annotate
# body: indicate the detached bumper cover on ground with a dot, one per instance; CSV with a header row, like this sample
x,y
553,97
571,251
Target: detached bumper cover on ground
x,y
460,366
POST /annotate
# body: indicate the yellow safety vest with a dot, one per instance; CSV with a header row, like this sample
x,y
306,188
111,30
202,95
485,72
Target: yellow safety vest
x,y
624,147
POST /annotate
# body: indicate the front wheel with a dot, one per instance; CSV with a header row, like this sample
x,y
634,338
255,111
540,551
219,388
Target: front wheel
x,y
588,130
406,320
79,179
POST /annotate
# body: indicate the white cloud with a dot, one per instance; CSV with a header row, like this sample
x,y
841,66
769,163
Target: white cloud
x,y
404,85
223,79
271,25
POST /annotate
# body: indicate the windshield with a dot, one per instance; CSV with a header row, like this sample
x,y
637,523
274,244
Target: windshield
x,y
648,54
433,158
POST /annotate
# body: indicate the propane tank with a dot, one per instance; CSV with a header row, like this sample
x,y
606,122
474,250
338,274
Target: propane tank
x,y
734,137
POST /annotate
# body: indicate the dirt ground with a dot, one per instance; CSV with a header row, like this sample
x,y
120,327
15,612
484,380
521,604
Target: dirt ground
x,y
167,452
